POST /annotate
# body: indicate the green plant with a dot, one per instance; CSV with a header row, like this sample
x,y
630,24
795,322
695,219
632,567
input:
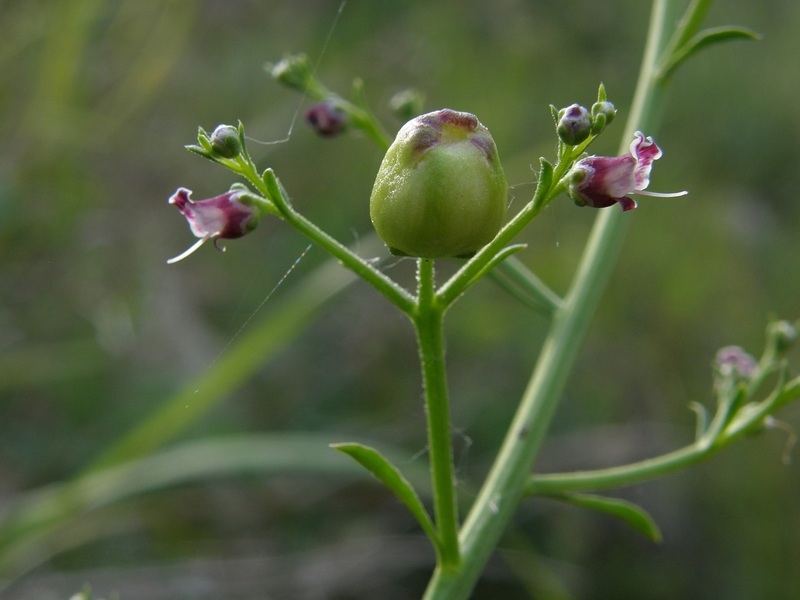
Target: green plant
x,y
743,405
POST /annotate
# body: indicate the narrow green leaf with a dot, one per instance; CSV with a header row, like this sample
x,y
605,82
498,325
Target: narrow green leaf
x,y
704,39
499,258
633,515
43,522
522,283
545,182
391,477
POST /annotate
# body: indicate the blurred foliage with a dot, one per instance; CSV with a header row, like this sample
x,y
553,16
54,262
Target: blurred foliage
x,y
96,331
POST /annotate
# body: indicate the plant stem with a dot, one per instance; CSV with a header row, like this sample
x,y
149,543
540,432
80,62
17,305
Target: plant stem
x,y
268,185
428,324
622,475
750,421
505,485
383,284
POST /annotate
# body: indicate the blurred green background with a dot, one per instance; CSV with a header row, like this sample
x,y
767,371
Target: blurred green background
x,y
97,332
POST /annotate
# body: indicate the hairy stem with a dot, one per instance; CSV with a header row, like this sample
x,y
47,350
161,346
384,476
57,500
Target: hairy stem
x,y
428,323
504,487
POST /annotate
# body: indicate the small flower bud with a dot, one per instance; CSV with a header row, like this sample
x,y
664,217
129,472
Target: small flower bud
x,y
407,104
733,361
574,124
294,71
326,119
781,336
440,190
225,141
602,115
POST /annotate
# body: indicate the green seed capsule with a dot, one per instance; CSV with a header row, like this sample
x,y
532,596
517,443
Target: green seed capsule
x,y
440,190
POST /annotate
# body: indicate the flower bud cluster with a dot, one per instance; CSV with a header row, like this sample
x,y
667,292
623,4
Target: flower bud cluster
x,y
575,123
225,144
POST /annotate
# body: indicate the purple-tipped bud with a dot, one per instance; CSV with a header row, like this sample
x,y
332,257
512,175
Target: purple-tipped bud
x,y
440,190
326,119
225,141
231,215
574,124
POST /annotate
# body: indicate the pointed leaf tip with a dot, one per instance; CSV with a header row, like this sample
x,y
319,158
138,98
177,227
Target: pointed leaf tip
x,y
704,39
634,515
391,477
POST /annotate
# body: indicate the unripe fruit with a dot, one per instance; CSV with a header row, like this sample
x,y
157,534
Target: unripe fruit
x,y
440,190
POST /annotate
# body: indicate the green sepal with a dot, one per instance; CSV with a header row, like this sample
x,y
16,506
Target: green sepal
x,y
601,93
554,114
704,39
545,182
275,191
391,477
204,148
199,150
632,514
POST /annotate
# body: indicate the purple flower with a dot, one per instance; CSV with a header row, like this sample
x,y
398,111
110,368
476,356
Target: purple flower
x,y
231,215
601,181
732,360
326,119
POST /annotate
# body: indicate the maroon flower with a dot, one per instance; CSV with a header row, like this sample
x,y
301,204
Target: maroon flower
x,y
231,215
326,119
601,181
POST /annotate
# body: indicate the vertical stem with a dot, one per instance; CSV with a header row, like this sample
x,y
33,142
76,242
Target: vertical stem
x,y
503,489
428,323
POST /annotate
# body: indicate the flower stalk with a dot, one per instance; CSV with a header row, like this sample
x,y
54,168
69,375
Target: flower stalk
x,y
504,487
428,324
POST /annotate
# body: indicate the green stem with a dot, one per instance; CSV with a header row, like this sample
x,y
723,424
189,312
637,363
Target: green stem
x,y
749,422
619,476
470,272
504,487
383,284
271,189
428,323
364,119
